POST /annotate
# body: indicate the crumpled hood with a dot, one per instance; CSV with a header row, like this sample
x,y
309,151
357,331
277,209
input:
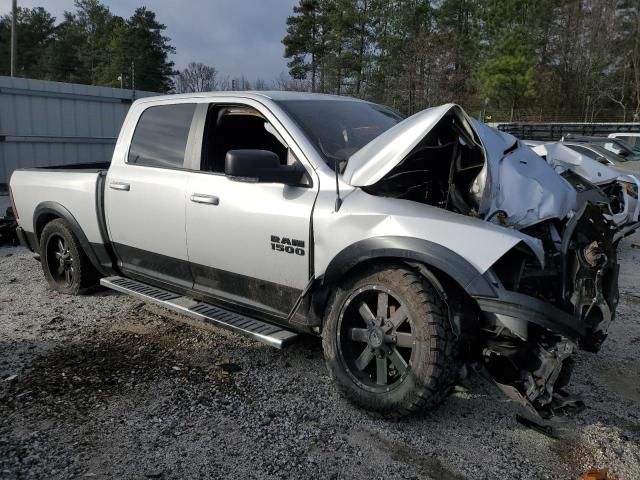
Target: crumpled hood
x,y
514,180
383,153
520,182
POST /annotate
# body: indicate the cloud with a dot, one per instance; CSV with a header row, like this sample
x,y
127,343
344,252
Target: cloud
x,y
234,36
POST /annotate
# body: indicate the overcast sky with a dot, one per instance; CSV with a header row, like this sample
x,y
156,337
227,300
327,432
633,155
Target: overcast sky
x,y
235,36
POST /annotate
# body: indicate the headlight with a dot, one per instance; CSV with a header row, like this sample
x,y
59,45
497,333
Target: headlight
x,y
631,188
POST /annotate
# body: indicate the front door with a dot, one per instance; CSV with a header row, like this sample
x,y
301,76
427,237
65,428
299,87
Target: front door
x,y
247,242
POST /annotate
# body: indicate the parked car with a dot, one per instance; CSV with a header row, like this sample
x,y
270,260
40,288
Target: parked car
x,y
577,168
409,245
615,145
632,138
600,154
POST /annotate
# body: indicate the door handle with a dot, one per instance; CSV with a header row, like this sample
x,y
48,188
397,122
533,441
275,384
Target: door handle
x,y
206,199
125,187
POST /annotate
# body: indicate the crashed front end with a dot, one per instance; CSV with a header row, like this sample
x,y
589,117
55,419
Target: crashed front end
x,y
541,316
553,293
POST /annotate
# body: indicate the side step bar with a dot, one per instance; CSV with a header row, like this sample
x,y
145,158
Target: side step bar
x,y
264,332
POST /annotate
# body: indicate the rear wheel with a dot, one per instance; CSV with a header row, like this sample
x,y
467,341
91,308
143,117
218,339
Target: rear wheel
x,y
65,265
387,342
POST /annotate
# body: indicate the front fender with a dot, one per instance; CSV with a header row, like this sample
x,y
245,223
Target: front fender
x,y
414,249
386,224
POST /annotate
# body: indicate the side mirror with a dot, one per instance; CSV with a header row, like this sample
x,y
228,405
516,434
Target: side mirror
x,y
262,166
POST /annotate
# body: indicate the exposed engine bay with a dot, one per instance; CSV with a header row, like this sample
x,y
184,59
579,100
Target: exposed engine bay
x,y
440,171
471,169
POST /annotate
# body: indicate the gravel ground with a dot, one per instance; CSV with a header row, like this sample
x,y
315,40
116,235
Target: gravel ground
x,y
105,386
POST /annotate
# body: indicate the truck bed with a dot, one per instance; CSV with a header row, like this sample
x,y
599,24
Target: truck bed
x,y
75,188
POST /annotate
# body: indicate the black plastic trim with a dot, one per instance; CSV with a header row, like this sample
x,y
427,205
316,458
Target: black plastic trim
x,y
110,258
414,249
532,310
154,265
254,293
23,238
245,308
96,254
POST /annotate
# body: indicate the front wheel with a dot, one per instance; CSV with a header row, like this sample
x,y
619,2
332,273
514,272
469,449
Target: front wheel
x,y
65,265
387,342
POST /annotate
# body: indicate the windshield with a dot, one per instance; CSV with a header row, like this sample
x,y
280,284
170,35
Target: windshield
x,y
609,154
619,147
339,128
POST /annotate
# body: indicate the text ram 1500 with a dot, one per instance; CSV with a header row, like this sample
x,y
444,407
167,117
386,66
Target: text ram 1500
x,y
438,242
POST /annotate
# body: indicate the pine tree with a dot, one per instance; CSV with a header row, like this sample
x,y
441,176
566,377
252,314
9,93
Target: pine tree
x,y
35,29
303,44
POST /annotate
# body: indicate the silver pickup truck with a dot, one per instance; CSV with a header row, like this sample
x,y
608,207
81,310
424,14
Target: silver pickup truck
x,y
411,246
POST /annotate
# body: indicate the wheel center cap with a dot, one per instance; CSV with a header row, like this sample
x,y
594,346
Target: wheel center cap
x,y
376,337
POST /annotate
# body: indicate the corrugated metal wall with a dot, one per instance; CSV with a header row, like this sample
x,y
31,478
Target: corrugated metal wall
x,y
50,123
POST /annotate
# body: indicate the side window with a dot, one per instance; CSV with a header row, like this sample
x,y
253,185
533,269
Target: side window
x,y
160,138
237,127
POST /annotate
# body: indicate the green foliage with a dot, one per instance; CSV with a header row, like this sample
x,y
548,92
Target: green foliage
x,y
507,80
35,29
411,54
91,45
303,42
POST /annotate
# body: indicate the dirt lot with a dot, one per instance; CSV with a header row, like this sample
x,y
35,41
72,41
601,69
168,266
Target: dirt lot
x,y
104,386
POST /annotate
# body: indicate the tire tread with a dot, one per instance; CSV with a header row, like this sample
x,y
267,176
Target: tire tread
x,y
442,367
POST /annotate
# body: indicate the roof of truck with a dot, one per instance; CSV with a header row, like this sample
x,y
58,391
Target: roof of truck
x,y
275,95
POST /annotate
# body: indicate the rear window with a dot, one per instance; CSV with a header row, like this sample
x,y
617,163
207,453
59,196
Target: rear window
x,y
160,139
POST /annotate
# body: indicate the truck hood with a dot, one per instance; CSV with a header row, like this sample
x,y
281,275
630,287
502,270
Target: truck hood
x,y
513,181
377,158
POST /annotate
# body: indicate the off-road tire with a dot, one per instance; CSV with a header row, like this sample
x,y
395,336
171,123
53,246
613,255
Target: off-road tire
x,y
433,369
84,278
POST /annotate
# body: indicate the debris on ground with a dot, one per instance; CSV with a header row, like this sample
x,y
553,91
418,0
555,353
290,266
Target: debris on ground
x,y
598,474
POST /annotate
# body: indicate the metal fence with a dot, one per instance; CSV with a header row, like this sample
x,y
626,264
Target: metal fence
x,y
555,131
46,123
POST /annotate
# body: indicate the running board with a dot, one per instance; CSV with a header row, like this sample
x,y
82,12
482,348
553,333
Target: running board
x,y
264,332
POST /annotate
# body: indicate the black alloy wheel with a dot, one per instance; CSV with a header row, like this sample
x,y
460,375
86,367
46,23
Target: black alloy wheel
x,y
376,347
60,261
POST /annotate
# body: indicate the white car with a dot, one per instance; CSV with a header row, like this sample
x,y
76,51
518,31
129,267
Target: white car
x,y
621,190
632,138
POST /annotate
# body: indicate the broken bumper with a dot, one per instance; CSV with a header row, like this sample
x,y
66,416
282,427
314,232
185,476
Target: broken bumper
x,y
525,308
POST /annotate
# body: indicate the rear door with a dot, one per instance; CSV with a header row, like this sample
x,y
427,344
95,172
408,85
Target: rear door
x,y
145,197
248,243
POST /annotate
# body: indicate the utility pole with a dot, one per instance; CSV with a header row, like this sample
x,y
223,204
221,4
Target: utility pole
x,y
14,37
133,80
